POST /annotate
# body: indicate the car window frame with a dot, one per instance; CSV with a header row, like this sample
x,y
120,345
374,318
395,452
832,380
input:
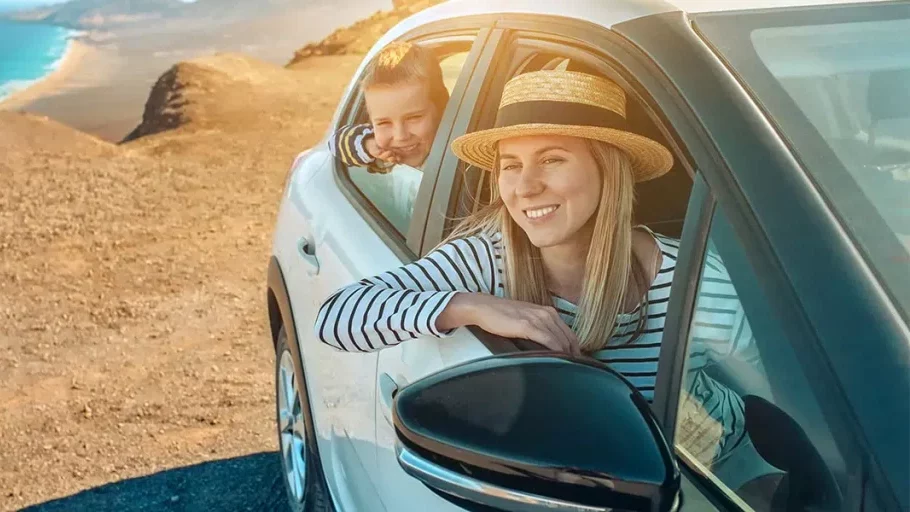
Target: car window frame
x,y
599,44
407,246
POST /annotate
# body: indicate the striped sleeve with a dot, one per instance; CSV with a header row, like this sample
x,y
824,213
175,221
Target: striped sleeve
x,y
348,144
405,303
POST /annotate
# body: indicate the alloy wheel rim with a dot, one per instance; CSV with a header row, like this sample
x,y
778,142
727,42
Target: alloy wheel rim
x,y
291,428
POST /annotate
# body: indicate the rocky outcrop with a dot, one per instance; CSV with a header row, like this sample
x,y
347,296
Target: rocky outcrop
x,y
358,38
228,93
164,107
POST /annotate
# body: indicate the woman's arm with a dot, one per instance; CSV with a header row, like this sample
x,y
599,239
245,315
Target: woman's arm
x,y
449,288
407,302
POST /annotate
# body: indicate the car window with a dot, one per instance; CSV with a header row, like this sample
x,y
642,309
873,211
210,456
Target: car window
x,y
837,85
750,417
391,188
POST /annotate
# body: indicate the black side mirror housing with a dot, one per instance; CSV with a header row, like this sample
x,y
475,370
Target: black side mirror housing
x,y
515,431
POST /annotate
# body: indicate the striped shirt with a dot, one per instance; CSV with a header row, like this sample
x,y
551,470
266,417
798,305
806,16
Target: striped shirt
x,y
348,144
405,303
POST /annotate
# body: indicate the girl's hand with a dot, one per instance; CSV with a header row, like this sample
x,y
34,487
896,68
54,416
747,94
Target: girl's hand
x,y
510,319
379,153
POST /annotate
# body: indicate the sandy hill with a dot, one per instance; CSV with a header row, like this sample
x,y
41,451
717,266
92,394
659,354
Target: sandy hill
x,y
24,134
132,322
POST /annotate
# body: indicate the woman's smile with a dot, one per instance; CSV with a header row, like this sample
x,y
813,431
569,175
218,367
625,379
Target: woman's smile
x,y
541,214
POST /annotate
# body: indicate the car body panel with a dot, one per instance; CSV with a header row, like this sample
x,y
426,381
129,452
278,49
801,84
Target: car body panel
x,y
406,363
340,387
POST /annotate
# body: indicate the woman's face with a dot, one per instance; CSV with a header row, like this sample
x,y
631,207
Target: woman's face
x,y
551,186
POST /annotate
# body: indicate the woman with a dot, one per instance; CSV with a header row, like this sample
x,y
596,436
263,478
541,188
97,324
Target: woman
x,y
555,258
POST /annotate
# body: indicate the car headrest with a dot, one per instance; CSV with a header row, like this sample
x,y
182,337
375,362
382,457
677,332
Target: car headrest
x,y
889,94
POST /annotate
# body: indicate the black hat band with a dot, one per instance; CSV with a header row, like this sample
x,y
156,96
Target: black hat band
x,y
559,112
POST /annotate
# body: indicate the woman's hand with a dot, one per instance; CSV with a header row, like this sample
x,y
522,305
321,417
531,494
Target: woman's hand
x,y
510,319
379,153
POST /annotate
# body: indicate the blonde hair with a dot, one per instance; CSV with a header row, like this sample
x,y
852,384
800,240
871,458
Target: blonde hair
x,y
609,262
401,62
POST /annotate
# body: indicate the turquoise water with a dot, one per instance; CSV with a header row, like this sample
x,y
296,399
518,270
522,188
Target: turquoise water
x,y
28,51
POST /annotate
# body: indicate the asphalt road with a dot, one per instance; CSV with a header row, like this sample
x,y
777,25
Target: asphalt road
x,y
248,483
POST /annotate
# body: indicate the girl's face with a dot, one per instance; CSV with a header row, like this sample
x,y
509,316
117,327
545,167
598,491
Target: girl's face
x,y
404,119
551,186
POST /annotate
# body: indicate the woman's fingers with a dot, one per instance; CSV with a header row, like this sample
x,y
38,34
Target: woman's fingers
x,y
545,337
552,332
574,348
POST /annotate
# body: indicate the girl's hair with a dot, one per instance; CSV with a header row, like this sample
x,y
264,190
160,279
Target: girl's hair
x,y
400,62
609,263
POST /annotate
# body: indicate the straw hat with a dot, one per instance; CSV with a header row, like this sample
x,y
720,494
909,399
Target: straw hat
x,y
564,103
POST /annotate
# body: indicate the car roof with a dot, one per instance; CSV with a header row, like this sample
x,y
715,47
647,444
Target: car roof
x,y
601,12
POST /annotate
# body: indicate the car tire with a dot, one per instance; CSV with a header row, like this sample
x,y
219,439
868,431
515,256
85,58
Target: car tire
x,y
310,493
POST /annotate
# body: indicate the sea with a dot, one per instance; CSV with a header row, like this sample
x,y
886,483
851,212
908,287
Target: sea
x,y
28,52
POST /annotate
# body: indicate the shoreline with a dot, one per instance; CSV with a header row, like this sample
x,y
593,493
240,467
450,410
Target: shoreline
x,y
53,82
105,77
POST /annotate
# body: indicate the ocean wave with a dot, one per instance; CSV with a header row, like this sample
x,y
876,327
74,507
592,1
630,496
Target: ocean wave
x,y
61,52
13,86
29,52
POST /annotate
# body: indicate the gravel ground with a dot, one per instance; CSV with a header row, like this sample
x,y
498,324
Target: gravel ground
x,y
135,361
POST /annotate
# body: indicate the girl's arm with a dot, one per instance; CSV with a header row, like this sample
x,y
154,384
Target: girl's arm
x,y
348,144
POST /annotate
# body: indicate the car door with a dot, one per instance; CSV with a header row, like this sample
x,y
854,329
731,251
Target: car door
x,y
528,43
518,44
348,228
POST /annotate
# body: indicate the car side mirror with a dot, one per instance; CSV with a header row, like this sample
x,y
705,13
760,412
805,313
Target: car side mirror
x,y
532,431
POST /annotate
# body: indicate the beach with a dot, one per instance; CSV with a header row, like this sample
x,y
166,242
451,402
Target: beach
x,y
102,85
76,53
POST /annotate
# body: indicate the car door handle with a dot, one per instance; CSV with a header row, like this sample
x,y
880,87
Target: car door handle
x,y
387,389
307,250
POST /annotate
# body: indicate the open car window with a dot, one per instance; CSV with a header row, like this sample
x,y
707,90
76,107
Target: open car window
x,y
388,190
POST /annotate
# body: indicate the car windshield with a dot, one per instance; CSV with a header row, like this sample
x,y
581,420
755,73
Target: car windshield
x,y
836,81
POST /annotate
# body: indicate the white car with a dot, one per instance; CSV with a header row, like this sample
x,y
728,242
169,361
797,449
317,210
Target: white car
x,y
790,126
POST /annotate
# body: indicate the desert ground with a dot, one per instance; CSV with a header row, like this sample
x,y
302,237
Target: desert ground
x,y
136,366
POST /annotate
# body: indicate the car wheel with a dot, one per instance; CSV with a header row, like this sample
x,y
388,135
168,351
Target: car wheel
x,y
303,480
